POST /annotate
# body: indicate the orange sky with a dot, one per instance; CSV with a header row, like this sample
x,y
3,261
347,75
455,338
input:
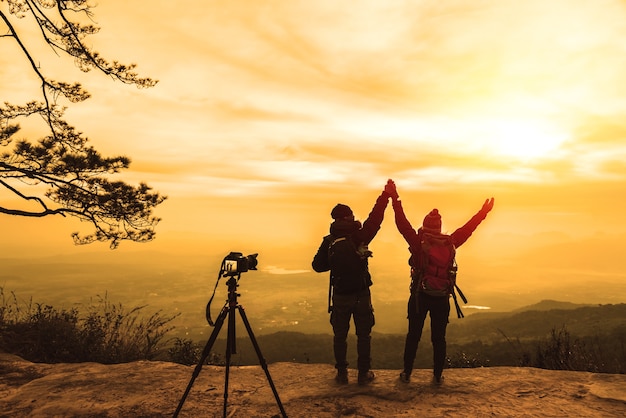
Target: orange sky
x,y
269,113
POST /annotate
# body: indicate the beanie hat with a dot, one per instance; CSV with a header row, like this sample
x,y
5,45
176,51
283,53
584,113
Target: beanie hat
x,y
432,222
341,211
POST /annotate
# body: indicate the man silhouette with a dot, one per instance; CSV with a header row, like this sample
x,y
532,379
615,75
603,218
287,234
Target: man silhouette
x,y
353,302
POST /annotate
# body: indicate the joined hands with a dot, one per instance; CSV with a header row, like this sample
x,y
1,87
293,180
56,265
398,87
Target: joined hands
x,y
390,189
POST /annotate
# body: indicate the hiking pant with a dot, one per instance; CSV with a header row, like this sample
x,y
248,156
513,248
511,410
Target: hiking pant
x,y
358,306
419,306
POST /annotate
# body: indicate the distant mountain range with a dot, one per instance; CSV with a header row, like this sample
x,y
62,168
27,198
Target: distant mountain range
x,y
548,305
490,338
537,321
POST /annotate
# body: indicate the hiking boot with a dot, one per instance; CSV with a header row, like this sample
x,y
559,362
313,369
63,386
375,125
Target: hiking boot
x,y
405,377
365,377
342,376
437,380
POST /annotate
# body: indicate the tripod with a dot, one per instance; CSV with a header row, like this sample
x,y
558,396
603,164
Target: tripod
x,y
229,310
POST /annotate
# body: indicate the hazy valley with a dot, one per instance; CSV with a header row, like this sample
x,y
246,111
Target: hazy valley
x,y
274,300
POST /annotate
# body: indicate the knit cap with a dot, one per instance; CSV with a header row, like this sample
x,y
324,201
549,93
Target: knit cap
x,y
341,211
432,222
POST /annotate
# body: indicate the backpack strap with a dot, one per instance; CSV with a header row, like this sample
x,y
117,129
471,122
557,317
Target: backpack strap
x,y
460,293
330,239
459,312
330,296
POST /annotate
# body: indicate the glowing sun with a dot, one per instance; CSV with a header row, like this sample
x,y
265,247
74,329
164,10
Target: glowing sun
x,y
522,139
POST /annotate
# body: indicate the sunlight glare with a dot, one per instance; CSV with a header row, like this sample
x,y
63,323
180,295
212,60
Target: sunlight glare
x,y
518,138
522,139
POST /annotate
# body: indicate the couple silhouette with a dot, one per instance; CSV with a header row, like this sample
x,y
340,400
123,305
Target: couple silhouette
x,y
354,301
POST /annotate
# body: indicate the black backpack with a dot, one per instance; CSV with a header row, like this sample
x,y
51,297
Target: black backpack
x,y
348,266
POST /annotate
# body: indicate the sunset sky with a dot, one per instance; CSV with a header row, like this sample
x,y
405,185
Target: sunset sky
x,y
268,113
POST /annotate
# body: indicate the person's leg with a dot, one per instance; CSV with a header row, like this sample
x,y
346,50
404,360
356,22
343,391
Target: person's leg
x,y
416,313
440,311
363,322
340,320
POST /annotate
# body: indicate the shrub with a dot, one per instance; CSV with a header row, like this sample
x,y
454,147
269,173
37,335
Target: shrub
x,y
185,351
462,360
562,352
108,333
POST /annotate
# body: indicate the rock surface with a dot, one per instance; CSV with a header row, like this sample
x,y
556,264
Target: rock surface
x,y
154,389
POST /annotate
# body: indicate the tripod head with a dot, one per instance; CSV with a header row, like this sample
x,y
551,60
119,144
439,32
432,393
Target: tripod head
x,y
232,266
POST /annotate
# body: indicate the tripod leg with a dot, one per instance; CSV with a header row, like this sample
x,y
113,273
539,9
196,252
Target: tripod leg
x,y
230,348
261,359
205,353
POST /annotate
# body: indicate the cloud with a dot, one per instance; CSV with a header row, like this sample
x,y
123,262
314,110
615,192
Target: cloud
x,y
386,87
292,99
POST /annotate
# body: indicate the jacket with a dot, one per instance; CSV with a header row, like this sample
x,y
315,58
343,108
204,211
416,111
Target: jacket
x,y
361,235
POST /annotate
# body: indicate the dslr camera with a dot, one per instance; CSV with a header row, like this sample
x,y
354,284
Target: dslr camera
x,y
236,263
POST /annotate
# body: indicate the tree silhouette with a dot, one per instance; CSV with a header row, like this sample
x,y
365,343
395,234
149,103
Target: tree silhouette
x,y
60,173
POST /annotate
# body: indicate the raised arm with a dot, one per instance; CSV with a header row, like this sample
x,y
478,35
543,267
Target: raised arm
x,y
463,233
375,218
402,223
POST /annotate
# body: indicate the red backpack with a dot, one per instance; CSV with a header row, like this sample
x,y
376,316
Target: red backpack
x,y
434,268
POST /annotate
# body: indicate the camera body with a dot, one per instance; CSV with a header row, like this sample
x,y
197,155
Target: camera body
x,y
236,263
